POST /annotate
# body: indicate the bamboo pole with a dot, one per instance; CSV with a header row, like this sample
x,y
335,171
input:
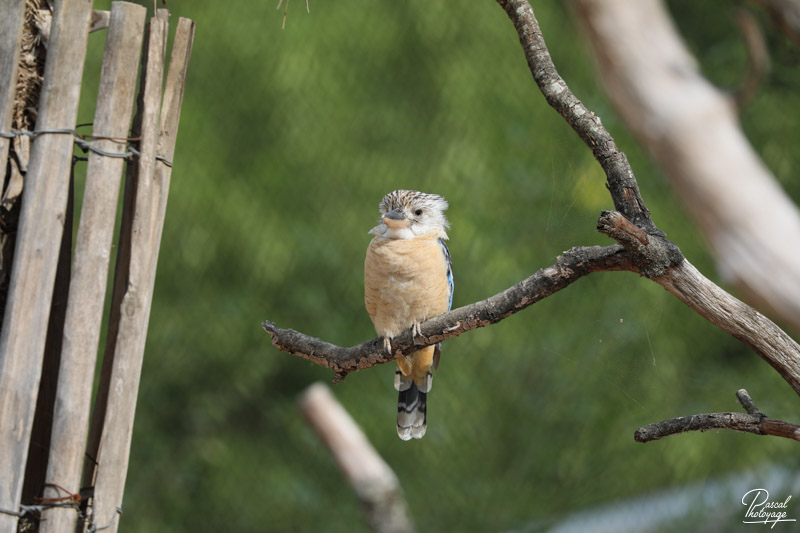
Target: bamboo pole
x,y
139,177
123,368
90,269
39,448
167,137
37,250
10,33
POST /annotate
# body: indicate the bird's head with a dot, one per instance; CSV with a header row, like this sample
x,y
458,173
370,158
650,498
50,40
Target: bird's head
x,y
407,214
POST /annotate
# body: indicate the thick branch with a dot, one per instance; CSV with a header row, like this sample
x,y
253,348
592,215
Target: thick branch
x,y
657,259
653,255
751,422
372,479
569,267
736,318
621,180
644,250
691,128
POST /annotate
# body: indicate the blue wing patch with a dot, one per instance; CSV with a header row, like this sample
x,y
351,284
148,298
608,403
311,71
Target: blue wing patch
x,y
449,270
437,351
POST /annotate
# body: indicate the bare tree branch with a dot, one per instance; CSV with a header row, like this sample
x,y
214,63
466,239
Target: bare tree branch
x,y
654,256
735,318
731,315
372,479
644,249
621,182
570,266
692,130
747,402
754,421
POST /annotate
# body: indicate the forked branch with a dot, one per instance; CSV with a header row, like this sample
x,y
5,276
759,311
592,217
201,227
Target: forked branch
x,y
754,421
642,248
655,257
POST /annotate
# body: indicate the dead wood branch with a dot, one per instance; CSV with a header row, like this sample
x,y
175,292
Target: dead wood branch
x,y
621,181
644,250
691,128
656,257
372,479
569,267
754,421
702,295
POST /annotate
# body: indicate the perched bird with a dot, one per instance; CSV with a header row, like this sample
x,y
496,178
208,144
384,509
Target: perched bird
x,y
408,279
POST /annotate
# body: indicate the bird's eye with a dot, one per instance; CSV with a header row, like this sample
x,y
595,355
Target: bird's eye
x,y
418,212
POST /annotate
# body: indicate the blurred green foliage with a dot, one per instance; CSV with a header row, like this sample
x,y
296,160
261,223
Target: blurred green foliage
x,y
288,141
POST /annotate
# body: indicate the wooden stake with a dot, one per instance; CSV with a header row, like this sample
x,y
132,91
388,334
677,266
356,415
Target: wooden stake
x,y
10,33
92,251
139,177
38,242
134,298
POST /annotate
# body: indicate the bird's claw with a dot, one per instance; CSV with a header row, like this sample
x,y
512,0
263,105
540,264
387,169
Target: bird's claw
x,y
417,337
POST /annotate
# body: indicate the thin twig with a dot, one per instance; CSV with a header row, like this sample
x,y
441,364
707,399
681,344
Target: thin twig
x,y
748,403
286,11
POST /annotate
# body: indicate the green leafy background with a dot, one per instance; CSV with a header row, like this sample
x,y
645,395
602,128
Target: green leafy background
x,y
288,141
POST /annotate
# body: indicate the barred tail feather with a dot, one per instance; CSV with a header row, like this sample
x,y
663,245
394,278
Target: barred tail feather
x,y
411,416
412,406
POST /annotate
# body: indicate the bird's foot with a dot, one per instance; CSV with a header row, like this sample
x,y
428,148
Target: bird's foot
x,y
417,337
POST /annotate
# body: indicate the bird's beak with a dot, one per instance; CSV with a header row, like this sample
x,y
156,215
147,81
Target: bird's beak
x,y
395,220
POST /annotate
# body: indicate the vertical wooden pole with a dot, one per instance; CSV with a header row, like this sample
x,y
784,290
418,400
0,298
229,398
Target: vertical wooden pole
x,y
90,269
10,33
11,30
37,249
137,197
39,448
126,346
167,137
